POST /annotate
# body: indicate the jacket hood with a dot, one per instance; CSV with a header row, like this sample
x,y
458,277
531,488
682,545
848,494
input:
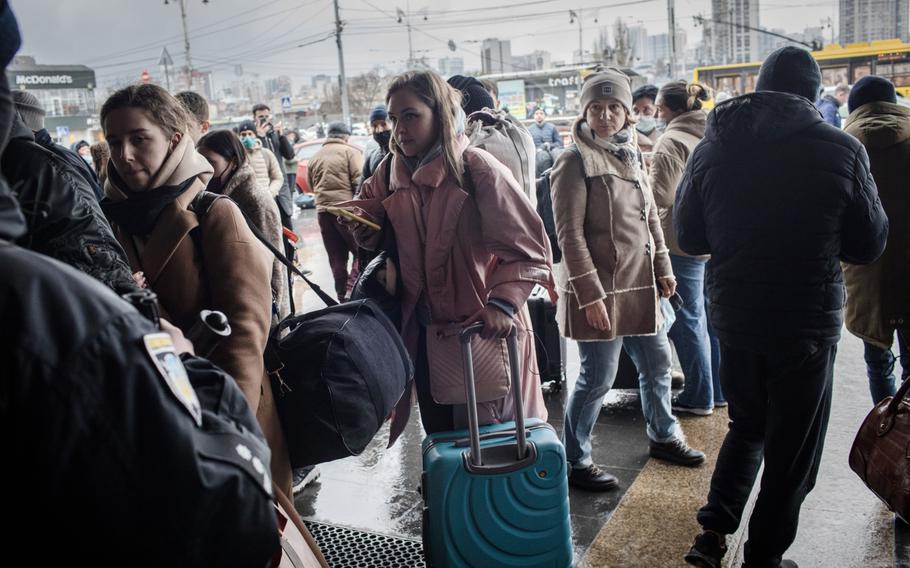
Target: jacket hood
x,y
763,116
879,124
19,130
692,122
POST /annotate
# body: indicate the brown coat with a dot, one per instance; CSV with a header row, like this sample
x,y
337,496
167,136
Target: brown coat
x,y
262,209
334,172
668,162
233,275
611,241
878,294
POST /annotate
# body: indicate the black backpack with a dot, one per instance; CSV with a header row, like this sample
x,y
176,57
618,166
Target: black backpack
x,y
545,205
336,374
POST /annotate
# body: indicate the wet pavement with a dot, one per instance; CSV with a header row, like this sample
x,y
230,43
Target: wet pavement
x,y
378,491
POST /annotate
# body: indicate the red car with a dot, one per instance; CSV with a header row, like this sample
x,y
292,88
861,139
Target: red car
x,y
308,149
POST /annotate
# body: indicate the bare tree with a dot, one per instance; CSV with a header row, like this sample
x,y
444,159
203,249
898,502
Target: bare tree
x,y
622,48
602,50
364,92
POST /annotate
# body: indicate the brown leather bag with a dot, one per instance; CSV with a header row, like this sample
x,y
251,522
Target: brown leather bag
x,y
880,455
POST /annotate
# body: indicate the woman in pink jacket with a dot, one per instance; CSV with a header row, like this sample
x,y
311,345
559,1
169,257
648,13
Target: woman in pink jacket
x,y
470,249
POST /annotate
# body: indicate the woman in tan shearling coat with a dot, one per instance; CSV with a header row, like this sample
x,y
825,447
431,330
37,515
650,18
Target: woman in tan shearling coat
x,y
157,174
615,269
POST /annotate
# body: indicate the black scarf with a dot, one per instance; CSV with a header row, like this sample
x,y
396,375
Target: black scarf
x,y
138,213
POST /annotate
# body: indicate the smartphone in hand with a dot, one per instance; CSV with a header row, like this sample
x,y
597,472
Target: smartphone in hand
x,y
340,212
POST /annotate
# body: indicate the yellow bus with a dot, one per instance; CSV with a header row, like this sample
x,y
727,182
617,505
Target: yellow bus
x,y
889,58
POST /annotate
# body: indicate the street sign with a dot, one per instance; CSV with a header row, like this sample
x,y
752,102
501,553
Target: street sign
x,y
145,77
285,103
62,132
165,59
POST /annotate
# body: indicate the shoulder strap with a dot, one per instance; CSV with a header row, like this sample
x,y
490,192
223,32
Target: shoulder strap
x,y
203,203
329,301
387,161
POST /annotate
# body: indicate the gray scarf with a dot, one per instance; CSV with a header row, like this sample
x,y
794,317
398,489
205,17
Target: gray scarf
x,y
622,144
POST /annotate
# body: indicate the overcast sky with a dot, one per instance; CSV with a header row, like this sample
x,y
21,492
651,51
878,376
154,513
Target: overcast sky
x,y
121,38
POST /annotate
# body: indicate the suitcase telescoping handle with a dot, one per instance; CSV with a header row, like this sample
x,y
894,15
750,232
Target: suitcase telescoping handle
x,y
473,426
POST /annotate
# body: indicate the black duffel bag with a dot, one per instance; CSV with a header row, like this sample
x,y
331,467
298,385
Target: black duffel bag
x,y
338,373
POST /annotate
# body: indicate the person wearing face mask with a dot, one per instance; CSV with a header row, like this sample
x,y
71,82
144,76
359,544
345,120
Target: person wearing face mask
x,y
263,161
470,248
84,150
382,134
680,105
234,177
644,111
616,279
191,262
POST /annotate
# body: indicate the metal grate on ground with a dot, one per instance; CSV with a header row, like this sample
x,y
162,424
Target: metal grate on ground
x,y
350,548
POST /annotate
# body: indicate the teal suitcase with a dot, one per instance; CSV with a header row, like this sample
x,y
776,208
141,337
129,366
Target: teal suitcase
x,y
496,495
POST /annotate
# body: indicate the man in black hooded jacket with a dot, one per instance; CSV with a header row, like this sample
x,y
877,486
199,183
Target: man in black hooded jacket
x,y
778,198
64,218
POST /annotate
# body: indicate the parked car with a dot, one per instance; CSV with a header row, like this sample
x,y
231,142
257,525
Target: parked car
x,y
308,149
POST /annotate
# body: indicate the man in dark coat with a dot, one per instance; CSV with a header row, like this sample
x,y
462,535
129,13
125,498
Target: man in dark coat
x,y
878,301
829,105
64,218
32,114
778,198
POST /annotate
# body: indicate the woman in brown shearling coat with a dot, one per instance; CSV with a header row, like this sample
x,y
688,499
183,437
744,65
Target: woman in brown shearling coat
x,y
615,269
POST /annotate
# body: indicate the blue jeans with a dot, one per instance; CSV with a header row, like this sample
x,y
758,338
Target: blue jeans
x,y
715,351
690,333
880,367
599,361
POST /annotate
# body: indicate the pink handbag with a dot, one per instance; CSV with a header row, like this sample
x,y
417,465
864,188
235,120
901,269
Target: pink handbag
x,y
446,362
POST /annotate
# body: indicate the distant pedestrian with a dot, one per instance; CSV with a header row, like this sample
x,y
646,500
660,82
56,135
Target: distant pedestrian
x,y
83,148
334,174
829,105
543,132
647,123
878,302
101,155
381,129
778,198
290,164
198,112
264,163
